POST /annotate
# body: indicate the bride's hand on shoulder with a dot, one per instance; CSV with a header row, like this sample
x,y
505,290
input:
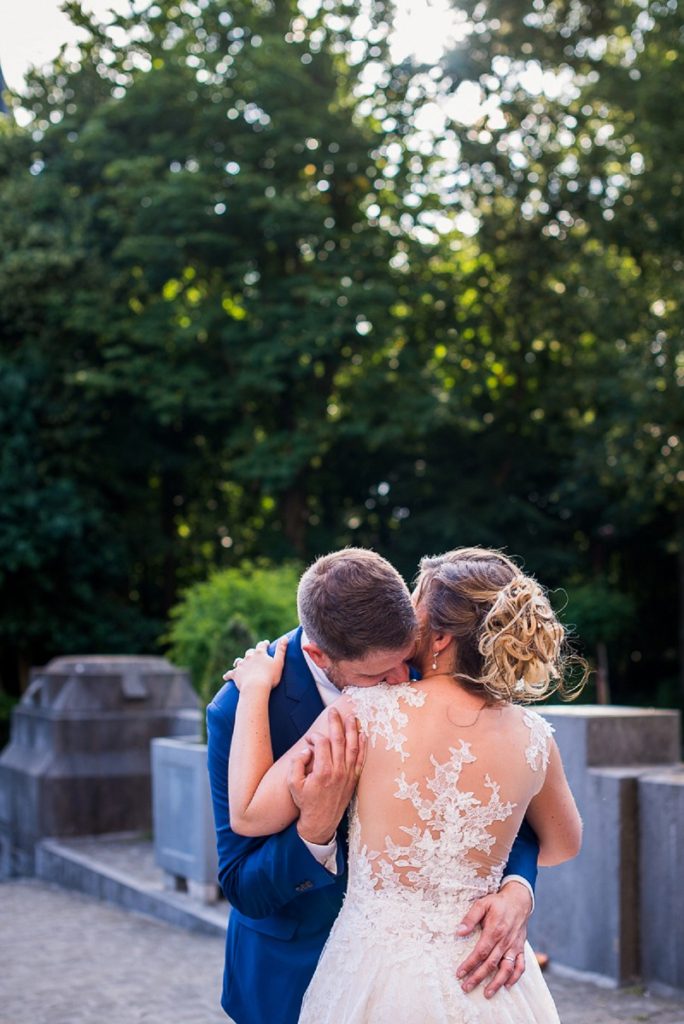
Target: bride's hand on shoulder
x,y
257,670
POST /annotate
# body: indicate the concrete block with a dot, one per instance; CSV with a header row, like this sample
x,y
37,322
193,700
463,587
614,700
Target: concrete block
x,y
78,758
60,863
587,915
184,835
661,803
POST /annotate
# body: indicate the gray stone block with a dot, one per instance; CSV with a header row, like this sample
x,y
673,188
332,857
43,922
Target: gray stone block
x,y
78,758
661,800
587,915
60,863
184,835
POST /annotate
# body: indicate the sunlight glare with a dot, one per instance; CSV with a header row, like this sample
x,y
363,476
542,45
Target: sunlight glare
x,y
424,30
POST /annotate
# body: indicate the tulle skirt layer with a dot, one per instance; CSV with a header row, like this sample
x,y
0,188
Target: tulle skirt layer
x,y
371,972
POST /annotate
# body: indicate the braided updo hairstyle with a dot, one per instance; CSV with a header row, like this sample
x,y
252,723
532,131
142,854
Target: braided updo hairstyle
x,y
509,641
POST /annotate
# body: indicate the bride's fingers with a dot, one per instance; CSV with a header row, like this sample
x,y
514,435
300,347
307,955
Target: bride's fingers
x,y
229,674
279,654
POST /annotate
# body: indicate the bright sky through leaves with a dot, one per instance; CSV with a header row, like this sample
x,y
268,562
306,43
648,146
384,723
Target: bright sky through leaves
x,y
31,32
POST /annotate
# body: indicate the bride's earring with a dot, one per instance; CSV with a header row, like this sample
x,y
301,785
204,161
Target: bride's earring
x,y
434,660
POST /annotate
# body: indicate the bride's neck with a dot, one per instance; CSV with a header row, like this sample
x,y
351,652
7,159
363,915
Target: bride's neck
x,y
465,695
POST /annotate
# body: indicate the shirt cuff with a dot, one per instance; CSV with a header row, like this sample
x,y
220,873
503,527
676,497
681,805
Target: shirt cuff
x,y
514,878
326,855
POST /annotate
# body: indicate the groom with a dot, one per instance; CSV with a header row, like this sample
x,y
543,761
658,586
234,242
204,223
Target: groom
x,y
358,627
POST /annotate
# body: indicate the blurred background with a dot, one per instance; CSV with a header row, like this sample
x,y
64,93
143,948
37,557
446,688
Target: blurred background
x,y
279,277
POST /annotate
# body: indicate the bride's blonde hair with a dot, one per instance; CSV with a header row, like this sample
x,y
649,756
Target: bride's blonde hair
x,y
509,641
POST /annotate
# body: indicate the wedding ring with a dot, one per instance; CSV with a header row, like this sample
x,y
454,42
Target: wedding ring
x,y
511,958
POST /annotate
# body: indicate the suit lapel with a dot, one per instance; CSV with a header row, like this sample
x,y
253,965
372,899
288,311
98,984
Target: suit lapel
x,y
302,700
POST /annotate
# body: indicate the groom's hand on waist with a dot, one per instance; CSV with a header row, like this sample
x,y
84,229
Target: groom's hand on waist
x,y
499,953
323,779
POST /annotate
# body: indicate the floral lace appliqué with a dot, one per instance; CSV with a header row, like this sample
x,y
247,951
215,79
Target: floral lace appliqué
x,y
537,752
378,709
456,822
453,822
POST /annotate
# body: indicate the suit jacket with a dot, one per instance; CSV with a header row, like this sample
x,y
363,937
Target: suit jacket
x,y
283,901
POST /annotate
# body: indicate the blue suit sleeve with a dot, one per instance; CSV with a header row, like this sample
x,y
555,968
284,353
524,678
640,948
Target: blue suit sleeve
x,y
524,854
258,876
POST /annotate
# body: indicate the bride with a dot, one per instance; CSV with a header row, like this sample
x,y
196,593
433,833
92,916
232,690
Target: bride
x,y
453,763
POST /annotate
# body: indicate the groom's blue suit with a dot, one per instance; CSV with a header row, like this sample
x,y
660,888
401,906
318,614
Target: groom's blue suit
x,y
284,902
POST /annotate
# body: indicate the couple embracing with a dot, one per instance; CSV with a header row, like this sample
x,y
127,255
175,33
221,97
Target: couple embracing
x,y
383,795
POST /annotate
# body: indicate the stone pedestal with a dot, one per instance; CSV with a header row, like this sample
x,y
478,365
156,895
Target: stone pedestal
x,y
587,914
184,834
661,802
78,759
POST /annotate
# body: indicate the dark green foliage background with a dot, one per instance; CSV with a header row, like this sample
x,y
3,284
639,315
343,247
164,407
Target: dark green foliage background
x,y
222,337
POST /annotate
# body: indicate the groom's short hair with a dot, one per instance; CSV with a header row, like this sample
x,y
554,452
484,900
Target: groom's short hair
x,y
352,602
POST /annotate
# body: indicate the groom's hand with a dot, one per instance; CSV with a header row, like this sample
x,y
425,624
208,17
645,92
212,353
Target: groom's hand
x,y
499,953
322,780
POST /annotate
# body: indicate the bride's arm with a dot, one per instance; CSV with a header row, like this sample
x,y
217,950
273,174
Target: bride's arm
x,y
251,753
259,791
553,815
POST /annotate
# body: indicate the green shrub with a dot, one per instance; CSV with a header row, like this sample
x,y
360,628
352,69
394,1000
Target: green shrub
x,y
234,638
215,620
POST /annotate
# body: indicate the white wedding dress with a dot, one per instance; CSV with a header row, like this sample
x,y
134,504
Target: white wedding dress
x,y
437,808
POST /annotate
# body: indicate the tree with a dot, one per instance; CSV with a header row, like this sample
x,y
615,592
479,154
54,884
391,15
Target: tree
x,y
193,295
573,177
235,322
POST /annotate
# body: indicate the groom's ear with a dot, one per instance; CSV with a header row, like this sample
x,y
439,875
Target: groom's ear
x,y
318,656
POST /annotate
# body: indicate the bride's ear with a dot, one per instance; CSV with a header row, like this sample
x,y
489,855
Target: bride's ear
x,y
440,641
318,656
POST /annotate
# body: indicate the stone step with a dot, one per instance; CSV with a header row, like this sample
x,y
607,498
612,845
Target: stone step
x,y
120,869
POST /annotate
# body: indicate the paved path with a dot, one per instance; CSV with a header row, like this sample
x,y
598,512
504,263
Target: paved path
x,y
67,959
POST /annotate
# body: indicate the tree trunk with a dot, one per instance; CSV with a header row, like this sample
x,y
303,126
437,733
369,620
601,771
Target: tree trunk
x,y
680,574
602,677
293,514
170,486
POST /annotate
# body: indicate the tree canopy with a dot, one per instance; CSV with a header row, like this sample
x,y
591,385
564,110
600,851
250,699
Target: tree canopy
x,y
252,307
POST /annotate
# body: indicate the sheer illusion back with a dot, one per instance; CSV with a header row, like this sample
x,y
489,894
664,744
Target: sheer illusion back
x,y
439,803
443,794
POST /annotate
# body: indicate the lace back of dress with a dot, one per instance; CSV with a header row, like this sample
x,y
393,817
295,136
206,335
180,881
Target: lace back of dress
x,y
440,800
